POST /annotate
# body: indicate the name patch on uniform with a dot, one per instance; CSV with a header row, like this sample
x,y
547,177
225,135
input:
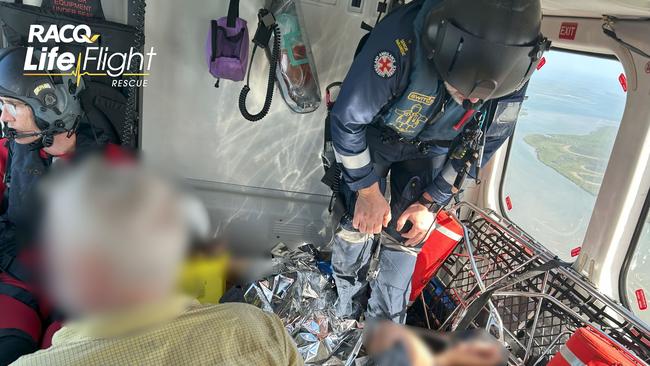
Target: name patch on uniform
x,y
403,46
421,98
42,87
385,64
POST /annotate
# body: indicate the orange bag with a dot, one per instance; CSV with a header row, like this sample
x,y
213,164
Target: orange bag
x,y
436,249
589,347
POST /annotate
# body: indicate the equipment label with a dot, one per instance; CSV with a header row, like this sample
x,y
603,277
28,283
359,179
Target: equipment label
x,y
509,203
647,68
568,31
82,8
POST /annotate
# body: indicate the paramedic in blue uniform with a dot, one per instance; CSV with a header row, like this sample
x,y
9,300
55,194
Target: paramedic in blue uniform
x,y
429,71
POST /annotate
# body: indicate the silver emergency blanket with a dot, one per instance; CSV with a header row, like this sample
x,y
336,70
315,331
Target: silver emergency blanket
x,y
303,297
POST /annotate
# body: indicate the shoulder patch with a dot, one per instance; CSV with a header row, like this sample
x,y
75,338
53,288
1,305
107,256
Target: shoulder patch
x,y
42,87
385,64
402,44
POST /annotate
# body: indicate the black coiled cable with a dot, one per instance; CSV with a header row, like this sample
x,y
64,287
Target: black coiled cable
x,y
275,54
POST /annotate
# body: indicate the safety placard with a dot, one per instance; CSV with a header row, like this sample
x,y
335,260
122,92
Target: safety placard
x,y
82,8
640,299
568,31
508,203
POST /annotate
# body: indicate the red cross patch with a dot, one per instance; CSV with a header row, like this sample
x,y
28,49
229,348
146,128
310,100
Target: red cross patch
x,y
385,64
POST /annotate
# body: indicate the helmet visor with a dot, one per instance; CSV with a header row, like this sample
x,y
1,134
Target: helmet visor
x,y
481,69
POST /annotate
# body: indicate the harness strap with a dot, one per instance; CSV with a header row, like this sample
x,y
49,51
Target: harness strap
x,y
215,29
332,177
233,13
10,265
389,136
20,294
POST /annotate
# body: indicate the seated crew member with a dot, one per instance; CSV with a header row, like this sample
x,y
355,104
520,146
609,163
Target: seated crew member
x,y
435,79
43,120
118,284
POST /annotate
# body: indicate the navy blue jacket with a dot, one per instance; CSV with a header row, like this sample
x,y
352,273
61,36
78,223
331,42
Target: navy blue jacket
x,y
372,89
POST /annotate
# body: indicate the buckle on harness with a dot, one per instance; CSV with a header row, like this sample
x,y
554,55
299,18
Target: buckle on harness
x,y
423,147
390,136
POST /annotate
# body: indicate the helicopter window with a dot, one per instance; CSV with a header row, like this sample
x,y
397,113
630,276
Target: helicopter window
x,y
561,147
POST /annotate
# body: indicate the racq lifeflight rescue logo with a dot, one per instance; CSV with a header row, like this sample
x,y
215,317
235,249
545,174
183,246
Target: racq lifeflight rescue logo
x,y
103,61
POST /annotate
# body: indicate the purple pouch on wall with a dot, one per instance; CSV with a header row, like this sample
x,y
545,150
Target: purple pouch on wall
x,y
226,46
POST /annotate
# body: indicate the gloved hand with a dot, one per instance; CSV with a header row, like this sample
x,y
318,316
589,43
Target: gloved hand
x,y
422,220
372,211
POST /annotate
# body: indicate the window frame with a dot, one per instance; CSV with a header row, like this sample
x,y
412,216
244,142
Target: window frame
x,y
634,244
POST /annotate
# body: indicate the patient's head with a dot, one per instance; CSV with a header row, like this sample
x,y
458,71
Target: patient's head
x,y
114,236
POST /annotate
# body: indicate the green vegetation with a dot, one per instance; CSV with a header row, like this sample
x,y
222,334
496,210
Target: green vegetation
x,y
580,158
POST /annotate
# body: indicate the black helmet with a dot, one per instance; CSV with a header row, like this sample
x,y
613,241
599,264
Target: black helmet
x,y
54,99
485,48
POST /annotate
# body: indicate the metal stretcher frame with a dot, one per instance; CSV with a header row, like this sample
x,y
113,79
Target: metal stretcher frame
x,y
557,301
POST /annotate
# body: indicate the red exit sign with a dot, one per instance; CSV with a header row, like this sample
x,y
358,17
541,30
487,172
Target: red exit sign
x,y
568,31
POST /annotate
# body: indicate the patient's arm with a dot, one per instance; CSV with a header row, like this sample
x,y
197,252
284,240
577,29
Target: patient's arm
x,y
390,343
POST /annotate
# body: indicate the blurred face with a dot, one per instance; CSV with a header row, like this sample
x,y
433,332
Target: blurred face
x,y
113,238
18,116
83,282
79,280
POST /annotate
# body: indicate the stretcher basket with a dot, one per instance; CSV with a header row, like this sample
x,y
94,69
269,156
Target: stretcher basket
x,y
501,279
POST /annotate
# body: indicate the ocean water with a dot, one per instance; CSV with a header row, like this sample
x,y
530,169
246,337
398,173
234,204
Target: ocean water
x,y
573,95
546,204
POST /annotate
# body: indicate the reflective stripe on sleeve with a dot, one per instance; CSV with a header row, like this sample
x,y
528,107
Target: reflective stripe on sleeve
x,y
354,161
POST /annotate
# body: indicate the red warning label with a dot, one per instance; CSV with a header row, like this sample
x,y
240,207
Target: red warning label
x,y
508,203
575,251
640,299
83,8
541,63
568,31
